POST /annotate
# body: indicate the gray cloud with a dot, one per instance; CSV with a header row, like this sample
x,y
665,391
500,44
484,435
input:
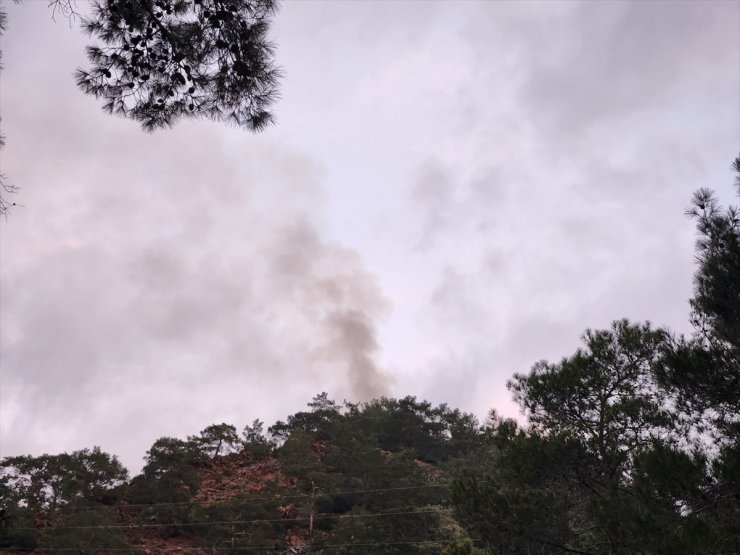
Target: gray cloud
x,y
576,64
445,199
626,58
434,194
538,155
592,125
161,300
154,284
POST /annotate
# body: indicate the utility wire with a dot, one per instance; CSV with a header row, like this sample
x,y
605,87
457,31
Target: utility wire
x,y
220,522
304,548
246,500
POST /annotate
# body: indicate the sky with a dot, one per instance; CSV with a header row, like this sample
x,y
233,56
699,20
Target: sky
x,y
452,192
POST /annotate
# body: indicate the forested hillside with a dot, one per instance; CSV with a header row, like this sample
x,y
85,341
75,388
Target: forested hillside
x,y
631,444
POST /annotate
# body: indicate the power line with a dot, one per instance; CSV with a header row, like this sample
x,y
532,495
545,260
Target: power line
x,y
245,548
248,500
232,522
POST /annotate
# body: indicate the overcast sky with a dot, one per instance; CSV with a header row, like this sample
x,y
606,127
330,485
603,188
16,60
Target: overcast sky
x,y
452,192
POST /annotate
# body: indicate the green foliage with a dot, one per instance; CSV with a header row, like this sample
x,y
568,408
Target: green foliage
x,y
603,395
724,506
50,481
169,475
386,443
716,302
608,463
391,531
217,439
703,372
89,531
37,491
299,459
432,434
321,404
319,422
549,494
161,60
240,523
168,454
17,527
256,442
523,499
463,546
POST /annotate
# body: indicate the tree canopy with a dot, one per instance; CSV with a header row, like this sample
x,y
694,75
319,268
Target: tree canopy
x,y
632,443
157,61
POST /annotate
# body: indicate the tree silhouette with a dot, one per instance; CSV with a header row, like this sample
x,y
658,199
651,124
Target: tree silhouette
x,y
5,187
633,442
161,60
157,61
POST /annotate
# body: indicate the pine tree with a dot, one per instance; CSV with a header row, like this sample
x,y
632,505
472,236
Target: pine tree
x,y
161,60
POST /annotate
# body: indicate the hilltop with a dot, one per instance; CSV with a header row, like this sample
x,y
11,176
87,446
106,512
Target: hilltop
x,y
335,479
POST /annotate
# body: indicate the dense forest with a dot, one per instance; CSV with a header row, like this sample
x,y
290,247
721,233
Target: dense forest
x,y
629,445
